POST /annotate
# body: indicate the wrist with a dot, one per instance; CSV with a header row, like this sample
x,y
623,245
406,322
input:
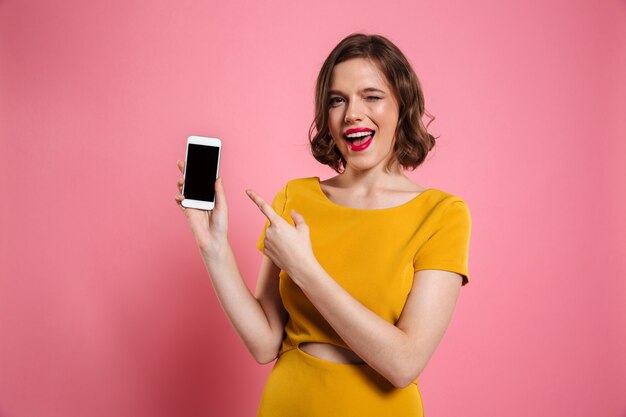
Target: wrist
x,y
307,272
215,249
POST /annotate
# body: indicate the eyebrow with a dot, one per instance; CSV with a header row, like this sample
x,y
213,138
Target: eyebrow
x,y
365,90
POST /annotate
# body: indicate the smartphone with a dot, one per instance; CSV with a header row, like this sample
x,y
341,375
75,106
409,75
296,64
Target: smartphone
x,y
202,164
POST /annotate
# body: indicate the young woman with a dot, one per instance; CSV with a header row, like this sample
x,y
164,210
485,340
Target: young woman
x,y
361,272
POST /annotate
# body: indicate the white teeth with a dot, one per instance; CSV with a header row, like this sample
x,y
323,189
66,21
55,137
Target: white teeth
x,y
359,134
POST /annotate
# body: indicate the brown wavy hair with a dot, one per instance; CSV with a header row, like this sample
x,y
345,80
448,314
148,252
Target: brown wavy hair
x,y
412,140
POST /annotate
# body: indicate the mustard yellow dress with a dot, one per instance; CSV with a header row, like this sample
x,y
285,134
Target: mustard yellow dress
x,y
373,255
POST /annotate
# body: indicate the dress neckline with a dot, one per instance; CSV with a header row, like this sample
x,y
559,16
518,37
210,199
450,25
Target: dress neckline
x,y
328,200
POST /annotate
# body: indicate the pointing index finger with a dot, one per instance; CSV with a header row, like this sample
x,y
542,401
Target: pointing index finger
x,y
265,208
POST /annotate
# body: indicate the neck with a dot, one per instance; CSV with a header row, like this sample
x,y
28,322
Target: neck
x,y
371,179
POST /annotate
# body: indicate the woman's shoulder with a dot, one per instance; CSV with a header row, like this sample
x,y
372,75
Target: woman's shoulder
x,y
446,196
302,182
435,197
292,187
448,205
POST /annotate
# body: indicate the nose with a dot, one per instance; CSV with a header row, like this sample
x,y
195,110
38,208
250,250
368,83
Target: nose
x,y
353,112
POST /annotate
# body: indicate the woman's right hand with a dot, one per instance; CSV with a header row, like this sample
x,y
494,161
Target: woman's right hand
x,y
210,228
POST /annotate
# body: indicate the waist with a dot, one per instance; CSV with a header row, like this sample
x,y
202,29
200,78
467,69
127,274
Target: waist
x,y
331,353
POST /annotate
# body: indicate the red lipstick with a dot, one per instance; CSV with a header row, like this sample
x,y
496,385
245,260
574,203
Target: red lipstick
x,y
360,142
357,130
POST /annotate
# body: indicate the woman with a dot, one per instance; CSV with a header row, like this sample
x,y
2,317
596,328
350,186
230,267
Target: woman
x,y
361,272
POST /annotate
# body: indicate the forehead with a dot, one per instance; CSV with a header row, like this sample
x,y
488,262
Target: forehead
x,y
357,73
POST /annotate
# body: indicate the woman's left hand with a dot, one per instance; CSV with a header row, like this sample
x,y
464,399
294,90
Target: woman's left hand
x,y
287,246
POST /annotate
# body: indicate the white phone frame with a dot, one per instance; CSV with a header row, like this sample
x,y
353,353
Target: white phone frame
x,y
205,141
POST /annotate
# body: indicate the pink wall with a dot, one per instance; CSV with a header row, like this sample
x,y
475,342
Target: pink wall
x,y
105,308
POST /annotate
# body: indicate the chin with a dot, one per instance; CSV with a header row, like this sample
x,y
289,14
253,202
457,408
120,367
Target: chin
x,y
361,167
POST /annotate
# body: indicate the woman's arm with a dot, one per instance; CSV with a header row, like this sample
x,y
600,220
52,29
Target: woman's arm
x,y
400,352
258,320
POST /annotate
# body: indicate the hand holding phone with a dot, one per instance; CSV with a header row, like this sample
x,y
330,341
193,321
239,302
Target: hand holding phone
x,y
209,226
202,162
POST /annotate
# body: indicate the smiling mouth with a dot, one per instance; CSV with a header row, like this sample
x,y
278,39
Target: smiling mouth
x,y
360,143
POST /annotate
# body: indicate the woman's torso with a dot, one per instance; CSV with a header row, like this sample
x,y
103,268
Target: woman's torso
x,y
385,248
405,192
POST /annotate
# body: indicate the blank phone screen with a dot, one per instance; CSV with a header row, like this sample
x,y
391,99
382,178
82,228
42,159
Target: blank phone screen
x,y
200,172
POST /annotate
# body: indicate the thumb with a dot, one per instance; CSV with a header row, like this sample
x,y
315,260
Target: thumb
x,y
220,196
298,219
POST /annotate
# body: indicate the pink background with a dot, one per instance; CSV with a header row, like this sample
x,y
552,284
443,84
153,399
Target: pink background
x,y
105,307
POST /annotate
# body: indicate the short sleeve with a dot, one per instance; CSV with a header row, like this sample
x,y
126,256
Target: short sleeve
x,y
447,248
278,204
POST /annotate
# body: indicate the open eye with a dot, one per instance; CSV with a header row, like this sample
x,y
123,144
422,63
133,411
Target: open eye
x,y
334,101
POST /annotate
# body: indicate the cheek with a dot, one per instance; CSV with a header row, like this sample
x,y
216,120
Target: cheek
x,y
389,118
334,116
334,124
381,111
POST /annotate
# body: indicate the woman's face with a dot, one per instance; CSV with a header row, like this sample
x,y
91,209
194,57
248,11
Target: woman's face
x,y
361,102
